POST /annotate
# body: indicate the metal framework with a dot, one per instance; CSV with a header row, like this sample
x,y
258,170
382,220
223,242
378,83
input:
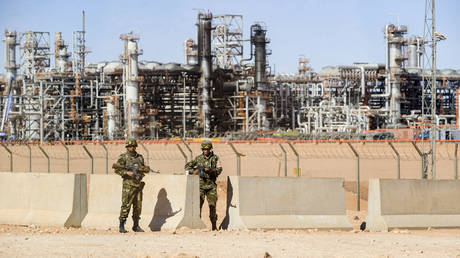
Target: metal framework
x,y
227,40
429,90
147,99
35,48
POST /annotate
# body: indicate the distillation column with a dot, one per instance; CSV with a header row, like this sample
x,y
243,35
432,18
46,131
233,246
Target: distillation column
x,y
131,83
205,62
414,53
395,58
11,72
111,113
61,55
10,55
258,39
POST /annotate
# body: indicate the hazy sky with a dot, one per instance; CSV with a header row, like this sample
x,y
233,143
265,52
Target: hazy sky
x,y
329,32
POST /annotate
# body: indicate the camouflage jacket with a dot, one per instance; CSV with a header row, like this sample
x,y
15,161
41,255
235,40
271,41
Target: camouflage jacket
x,y
130,159
208,179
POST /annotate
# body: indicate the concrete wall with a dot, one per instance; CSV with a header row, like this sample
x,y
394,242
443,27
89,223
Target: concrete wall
x,y
413,203
169,202
42,199
281,203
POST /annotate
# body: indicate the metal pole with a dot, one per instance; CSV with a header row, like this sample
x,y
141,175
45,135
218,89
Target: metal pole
x,y
398,158
41,112
285,159
182,152
107,158
422,157
47,157
67,156
146,151
247,114
30,157
188,147
358,192
11,156
91,157
297,157
238,159
433,90
456,161
183,110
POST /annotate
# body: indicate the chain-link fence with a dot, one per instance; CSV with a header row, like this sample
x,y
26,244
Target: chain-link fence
x,y
376,159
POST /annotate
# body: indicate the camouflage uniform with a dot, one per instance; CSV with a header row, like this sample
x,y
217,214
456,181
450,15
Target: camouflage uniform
x,y
132,188
208,186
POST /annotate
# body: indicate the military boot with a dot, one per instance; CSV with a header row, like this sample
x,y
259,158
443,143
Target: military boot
x,y
214,227
122,226
136,227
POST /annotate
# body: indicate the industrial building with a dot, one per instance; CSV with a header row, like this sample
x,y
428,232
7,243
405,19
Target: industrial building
x,y
221,89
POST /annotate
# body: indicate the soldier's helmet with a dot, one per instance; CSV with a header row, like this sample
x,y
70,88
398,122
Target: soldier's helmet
x,y
206,145
131,142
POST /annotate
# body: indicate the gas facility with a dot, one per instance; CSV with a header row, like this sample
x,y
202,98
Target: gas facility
x,y
221,90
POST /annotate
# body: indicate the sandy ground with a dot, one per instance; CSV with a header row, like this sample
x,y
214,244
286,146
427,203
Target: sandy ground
x,y
33,241
16,241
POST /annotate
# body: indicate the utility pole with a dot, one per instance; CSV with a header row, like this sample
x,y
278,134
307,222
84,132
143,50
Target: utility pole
x,y
431,36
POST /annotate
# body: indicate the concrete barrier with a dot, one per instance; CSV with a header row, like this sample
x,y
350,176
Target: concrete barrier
x,y
42,199
169,202
285,203
413,203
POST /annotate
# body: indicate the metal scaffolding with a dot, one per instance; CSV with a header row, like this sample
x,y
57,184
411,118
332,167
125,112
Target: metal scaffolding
x,y
218,92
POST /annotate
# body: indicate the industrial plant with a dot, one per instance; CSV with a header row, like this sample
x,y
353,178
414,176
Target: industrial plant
x,y
221,90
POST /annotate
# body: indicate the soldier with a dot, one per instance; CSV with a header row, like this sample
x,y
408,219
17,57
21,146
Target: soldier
x,y
130,166
208,166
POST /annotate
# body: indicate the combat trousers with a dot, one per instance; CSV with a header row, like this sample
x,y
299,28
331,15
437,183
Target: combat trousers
x,y
211,196
131,195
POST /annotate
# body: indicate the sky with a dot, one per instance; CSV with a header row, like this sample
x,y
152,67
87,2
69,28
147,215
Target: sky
x,y
328,32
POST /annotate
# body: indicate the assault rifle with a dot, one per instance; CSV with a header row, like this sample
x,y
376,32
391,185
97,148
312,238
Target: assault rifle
x,y
201,170
136,169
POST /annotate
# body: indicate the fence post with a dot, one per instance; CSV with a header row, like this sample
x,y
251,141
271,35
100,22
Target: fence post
x,y
47,157
456,161
188,147
146,151
297,157
238,159
30,157
91,157
422,157
11,156
358,191
285,159
397,157
67,156
107,158
182,152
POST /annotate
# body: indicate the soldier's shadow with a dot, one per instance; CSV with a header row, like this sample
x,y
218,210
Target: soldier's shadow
x,y
226,220
162,211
